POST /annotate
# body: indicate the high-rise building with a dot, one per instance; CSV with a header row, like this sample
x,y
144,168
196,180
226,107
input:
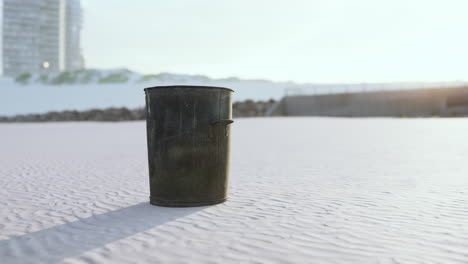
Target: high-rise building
x,y
72,27
40,36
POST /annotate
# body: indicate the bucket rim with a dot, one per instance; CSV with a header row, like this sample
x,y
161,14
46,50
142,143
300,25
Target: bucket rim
x,y
187,87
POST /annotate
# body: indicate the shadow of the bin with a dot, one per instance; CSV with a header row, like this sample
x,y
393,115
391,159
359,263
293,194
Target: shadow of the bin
x,y
54,244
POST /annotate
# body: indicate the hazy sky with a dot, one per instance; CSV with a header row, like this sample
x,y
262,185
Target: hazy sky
x,y
304,41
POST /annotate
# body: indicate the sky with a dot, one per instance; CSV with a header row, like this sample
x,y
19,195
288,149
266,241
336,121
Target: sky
x,y
302,41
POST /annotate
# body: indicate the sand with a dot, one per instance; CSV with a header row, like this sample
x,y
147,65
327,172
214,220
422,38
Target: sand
x,y
303,190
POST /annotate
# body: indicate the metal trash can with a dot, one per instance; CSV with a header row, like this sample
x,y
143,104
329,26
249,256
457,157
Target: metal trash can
x,y
188,144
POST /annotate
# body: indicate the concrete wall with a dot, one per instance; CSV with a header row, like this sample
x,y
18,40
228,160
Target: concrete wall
x,y
415,102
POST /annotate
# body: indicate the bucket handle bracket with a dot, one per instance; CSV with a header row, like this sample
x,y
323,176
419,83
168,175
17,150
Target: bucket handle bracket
x,y
225,123
222,122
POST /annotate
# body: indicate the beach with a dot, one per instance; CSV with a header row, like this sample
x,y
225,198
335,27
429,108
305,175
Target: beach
x,y
302,190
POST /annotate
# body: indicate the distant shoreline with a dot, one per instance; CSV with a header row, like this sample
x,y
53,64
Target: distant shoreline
x,y
247,108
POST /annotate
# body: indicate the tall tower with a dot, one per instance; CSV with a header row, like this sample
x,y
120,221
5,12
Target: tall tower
x,y
70,28
40,36
30,36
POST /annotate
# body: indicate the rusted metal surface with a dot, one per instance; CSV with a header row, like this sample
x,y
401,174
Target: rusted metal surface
x,y
188,144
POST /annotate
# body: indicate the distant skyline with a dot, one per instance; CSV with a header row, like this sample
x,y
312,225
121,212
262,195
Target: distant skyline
x,y
301,41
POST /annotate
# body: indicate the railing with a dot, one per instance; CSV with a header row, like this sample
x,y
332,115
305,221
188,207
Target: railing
x,y
322,89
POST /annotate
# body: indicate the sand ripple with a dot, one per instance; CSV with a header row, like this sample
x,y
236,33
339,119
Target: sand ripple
x,y
303,190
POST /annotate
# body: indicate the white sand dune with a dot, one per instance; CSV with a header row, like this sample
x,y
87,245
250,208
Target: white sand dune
x,y
303,190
